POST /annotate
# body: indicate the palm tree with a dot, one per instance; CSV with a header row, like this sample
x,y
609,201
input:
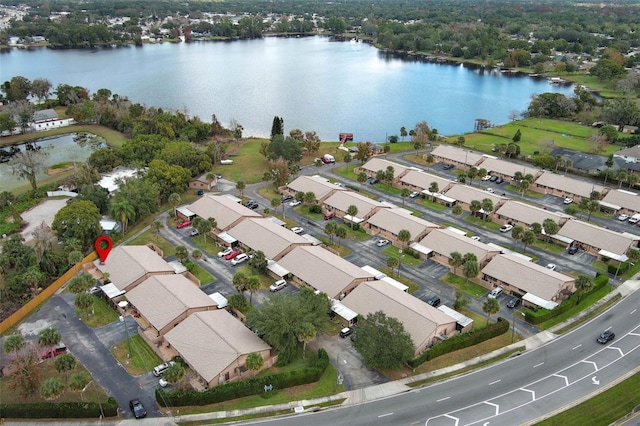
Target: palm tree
x,y
490,307
621,176
583,284
404,236
455,260
254,362
81,283
404,193
352,211
528,238
182,253
49,337
306,333
475,206
241,186
155,228
433,189
309,197
174,200
277,202
13,344
550,228
330,229
362,178
240,281
124,212
341,232
392,262
487,207
517,232
252,284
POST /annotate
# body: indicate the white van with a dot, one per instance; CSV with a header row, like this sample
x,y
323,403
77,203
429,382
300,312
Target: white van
x,y
158,370
635,218
495,293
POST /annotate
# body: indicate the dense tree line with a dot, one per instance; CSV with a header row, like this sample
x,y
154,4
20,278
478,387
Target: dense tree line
x,y
516,33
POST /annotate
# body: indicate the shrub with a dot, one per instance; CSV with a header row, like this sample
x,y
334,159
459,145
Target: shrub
x,y
462,341
240,389
315,208
53,410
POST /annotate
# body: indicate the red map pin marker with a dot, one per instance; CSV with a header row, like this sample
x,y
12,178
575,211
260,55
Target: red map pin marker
x,y
103,246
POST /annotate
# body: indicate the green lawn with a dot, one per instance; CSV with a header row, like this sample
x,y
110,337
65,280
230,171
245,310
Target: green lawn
x,y
602,409
102,314
135,355
432,205
585,303
392,251
149,237
468,287
202,274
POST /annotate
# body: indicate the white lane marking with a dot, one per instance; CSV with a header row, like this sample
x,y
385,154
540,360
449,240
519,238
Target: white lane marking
x,y
595,381
493,383
385,415
538,365
576,347
633,312
442,399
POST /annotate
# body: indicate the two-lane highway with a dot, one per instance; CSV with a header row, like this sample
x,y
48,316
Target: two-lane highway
x,y
515,391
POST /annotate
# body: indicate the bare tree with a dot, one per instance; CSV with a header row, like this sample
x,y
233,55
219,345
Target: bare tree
x,y
27,164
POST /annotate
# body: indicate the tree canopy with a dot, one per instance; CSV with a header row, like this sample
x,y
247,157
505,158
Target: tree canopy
x,y
383,342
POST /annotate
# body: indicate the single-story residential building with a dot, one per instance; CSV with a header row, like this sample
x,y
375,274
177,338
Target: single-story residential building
x,y
128,266
163,301
226,211
320,186
523,214
425,324
204,182
419,181
48,119
387,223
565,186
507,169
459,157
465,194
322,270
339,202
215,345
526,279
621,201
375,164
440,243
264,234
597,240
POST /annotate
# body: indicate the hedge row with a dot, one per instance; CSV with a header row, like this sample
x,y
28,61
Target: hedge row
x,y
56,410
542,315
244,388
462,341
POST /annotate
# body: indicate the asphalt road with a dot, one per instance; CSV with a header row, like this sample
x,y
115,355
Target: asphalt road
x,y
516,391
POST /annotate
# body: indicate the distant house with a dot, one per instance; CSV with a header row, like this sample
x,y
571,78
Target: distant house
x,y
465,194
202,182
420,181
597,240
264,234
339,202
621,201
48,119
507,169
371,168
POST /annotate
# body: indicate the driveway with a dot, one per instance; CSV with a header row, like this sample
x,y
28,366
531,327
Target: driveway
x,y
43,212
347,360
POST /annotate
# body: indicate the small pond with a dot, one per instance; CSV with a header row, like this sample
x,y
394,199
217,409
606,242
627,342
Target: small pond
x,y
74,147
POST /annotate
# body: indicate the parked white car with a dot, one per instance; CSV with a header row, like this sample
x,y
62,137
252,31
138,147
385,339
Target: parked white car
x,y
242,257
623,217
278,285
487,177
297,230
382,243
568,200
225,252
414,194
294,203
551,266
506,228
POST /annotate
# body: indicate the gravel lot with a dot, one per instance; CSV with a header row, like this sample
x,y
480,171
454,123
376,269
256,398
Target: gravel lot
x,y
43,212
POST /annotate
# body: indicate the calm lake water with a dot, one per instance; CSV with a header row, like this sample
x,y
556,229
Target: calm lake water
x,y
312,83
61,149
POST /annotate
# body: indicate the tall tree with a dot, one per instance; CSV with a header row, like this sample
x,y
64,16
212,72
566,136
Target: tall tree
x,y
528,238
28,164
65,363
14,344
455,260
306,333
490,306
583,285
254,362
84,301
49,337
341,233
174,200
124,212
277,127
404,193
241,186
79,220
252,284
352,211
383,342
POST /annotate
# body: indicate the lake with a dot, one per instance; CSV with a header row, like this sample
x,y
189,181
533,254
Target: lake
x,y
313,83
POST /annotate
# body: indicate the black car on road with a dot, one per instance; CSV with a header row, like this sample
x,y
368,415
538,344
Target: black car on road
x,y
137,408
606,337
